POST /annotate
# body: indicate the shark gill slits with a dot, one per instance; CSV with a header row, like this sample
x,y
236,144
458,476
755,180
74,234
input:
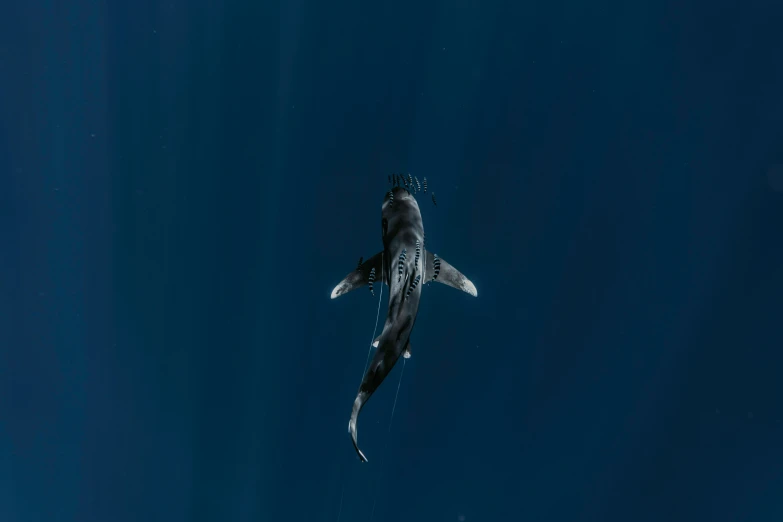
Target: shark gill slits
x,y
391,198
418,185
410,180
436,266
413,286
418,253
371,280
434,201
425,184
359,266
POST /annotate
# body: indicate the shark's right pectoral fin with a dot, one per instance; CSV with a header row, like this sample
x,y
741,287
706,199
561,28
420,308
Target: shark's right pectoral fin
x,y
439,270
361,276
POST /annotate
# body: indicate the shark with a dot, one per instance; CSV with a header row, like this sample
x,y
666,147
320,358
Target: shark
x,y
405,266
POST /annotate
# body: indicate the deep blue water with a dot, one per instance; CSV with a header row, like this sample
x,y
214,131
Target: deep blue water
x,y
183,183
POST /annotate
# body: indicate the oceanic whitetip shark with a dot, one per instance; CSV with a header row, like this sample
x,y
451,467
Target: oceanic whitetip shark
x,y
404,265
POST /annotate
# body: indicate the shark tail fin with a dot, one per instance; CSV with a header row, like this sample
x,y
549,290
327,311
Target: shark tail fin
x,y
437,269
357,407
361,276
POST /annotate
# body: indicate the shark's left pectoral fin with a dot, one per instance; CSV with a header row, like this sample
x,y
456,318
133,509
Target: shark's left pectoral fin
x,y
361,276
437,269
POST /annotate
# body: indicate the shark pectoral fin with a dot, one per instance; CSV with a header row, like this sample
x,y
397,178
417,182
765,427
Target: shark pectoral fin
x,y
361,276
437,269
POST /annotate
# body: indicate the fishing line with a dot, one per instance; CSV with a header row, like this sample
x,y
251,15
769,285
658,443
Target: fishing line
x,y
377,315
367,362
395,396
388,433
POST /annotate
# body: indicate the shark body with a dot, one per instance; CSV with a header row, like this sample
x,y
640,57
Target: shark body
x,y
404,265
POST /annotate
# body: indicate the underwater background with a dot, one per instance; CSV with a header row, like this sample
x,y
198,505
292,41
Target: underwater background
x,y
183,184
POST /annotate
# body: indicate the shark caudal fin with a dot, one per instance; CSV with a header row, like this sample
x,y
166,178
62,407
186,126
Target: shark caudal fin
x,y
357,407
363,275
437,269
